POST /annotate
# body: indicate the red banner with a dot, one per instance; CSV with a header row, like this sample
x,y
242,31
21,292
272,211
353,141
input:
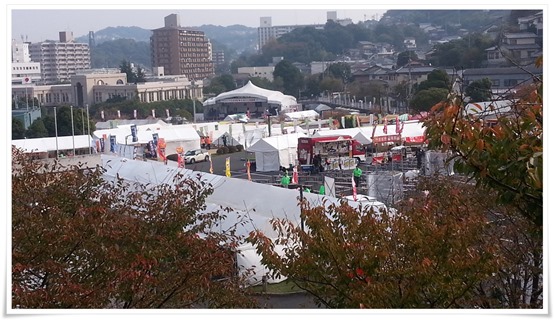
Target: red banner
x,y
386,138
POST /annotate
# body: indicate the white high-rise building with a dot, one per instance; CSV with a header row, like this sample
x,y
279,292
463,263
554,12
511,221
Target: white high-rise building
x,y
24,71
60,60
267,32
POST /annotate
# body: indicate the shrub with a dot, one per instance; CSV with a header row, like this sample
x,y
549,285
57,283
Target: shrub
x,y
220,151
232,149
239,147
225,150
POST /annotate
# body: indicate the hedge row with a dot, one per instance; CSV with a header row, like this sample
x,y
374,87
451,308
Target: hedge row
x,y
229,149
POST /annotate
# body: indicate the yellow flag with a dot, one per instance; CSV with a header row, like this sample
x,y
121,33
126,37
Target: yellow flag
x,y
227,168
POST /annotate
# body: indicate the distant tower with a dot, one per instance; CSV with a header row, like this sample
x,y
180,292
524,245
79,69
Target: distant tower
x,y
332,15
92,42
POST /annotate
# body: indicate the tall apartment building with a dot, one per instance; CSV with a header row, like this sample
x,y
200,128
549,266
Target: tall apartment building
x,y
24,71
218,57
60,60
267,32
181,51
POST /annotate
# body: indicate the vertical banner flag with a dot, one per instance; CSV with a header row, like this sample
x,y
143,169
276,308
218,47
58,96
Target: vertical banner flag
x,y
227,167
354,187
180,158
101,145
248,113
342,121
385,125
112,143
295,175
134,133
119,114
153,114
162,149
398,126
102,114
249,169
135,113
103,142
154,145
168,113
211,168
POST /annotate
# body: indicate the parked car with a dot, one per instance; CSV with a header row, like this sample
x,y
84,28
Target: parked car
x,y
196,155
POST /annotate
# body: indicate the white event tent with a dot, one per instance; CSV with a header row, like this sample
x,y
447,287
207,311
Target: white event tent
x,y
275,151
251,208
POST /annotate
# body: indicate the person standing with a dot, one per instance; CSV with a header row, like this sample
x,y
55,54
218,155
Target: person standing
x,y
285,180
357,173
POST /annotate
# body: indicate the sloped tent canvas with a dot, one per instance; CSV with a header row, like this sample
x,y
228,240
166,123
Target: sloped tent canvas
x,y
48,144
310,114
275,151
356,133
251,210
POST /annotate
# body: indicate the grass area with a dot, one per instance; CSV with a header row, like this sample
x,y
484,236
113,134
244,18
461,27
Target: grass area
x,y
278,288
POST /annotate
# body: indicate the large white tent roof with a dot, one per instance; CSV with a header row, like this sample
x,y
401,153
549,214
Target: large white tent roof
x,y
356,133
174,133
47,144
250,90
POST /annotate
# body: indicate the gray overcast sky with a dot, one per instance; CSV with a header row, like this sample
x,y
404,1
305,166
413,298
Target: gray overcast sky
x,y
44,24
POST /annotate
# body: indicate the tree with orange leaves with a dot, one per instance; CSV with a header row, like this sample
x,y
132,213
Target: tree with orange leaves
x,y
505,155
81,241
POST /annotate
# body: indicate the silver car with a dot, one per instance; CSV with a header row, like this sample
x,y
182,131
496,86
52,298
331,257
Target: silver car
x,y
196,155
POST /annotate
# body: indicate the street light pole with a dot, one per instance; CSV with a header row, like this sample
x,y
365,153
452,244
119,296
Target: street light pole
x,y
72,130
56,130
193,97
88,128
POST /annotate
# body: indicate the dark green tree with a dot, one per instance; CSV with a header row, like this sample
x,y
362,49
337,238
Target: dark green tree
x,y
425,99
438,78
479,90
125,67
404,57
291,77
18,129
340,70
36,130
140,76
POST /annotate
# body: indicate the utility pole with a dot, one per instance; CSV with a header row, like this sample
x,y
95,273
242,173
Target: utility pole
x,y
193,97
88,128
56,130
72,130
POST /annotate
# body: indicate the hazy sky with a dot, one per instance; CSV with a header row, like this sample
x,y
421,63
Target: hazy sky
x,y
46,23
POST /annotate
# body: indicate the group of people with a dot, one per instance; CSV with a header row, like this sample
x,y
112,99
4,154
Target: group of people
x,y
318,163
205,142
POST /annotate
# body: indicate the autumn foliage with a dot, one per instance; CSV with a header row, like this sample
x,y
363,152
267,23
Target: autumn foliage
x,y
502,152
80,241
453,248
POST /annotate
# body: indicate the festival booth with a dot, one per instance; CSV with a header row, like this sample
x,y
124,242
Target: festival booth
x,y
275,151
130,141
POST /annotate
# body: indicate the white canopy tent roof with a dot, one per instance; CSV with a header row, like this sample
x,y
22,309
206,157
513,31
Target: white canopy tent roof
x,y
304,114
48,144
356,133
275,151
251,209
489,109
250,90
